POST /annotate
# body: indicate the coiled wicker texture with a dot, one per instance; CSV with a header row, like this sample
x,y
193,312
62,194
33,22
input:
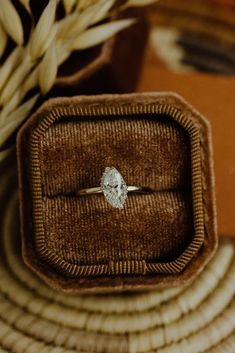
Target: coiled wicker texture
x,y
33,318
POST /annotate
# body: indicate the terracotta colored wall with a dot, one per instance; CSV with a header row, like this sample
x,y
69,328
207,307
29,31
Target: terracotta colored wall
x,y
214,96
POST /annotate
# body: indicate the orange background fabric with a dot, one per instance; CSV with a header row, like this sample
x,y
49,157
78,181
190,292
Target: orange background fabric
x,y
213,96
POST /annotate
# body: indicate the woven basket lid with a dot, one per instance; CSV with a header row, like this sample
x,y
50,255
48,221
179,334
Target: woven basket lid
x,y
34,318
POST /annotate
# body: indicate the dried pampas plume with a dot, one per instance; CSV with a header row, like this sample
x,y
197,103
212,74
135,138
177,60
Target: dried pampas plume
x,y
51,41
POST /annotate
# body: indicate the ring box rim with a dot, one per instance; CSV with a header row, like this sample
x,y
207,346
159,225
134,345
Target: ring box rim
x,y
54,109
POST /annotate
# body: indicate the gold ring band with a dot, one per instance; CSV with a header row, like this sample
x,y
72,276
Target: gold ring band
x,y
114,188
99,190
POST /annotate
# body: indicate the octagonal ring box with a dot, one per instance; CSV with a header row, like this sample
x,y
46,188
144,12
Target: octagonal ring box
x,y
82,243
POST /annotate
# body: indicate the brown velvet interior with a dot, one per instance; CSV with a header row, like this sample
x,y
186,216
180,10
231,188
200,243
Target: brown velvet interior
x,y
152,151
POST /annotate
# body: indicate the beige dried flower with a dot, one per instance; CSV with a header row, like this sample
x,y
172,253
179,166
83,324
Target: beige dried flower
x,y
69,5
44,31
11,22
48,69
3,39
98,34
25,3
35,63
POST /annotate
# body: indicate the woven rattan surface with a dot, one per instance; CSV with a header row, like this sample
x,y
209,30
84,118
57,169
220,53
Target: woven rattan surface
x,y
34,318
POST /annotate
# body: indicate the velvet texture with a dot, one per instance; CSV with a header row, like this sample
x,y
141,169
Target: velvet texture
x,y
155,226
151,150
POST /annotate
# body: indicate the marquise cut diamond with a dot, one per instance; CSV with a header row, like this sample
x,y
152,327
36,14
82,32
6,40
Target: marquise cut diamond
x,y
114,187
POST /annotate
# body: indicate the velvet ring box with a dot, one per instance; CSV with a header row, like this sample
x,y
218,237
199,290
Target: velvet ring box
x,y
162,238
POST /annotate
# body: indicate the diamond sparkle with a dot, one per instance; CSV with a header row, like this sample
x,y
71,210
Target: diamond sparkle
x,y
114,187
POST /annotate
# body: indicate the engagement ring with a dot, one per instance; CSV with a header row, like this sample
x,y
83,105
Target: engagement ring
x,y
114,188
